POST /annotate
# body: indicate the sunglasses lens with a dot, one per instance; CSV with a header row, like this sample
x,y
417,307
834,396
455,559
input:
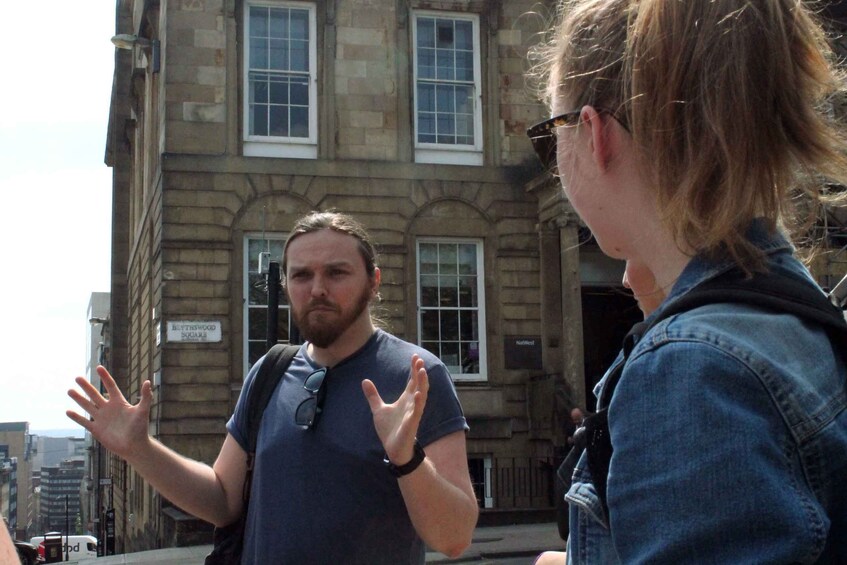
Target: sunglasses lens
x,y
545,148
306,412
315,380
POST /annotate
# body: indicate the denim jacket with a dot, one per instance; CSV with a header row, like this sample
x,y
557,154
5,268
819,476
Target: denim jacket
x,y
729,429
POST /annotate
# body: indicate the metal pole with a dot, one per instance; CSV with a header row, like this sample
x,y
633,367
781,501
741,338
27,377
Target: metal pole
x,y
273,303
67,530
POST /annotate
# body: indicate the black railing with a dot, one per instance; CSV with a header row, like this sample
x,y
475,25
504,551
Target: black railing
x,y
517,482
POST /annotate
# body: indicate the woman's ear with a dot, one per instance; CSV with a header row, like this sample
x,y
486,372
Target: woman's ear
x,y
599,136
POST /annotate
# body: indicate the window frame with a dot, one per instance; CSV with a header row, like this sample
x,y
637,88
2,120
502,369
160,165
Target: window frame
x,y
441,153
279,146
246,307
482,375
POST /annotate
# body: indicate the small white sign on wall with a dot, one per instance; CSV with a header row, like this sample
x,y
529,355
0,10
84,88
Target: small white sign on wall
x,y
191,331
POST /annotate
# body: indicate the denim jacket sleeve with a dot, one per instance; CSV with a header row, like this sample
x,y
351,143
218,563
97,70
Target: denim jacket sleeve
x,y
709,463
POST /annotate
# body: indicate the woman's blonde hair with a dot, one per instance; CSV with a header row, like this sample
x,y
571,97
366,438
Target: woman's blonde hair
x,y
728,98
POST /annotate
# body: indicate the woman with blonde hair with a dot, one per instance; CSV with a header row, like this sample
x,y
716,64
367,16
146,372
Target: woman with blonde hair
x,y
682,133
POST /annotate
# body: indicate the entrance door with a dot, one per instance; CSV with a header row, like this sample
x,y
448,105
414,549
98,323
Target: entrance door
x,y
608,313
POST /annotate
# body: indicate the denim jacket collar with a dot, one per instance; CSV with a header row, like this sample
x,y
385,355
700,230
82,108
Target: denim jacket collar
x,y
700,269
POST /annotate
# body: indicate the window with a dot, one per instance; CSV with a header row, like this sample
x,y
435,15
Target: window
x,y
451,315
280,93
448,115
256,303
480,467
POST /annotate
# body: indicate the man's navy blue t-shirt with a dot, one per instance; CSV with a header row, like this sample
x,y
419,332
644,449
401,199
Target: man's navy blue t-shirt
x,y
324,495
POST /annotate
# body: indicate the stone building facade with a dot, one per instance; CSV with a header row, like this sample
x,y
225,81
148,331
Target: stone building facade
x,y
232,118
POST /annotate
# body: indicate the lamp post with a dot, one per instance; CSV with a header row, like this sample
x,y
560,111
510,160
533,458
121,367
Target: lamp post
x,y
149,46
67,530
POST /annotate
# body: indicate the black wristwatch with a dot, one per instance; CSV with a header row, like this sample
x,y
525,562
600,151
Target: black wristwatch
x,y
402,470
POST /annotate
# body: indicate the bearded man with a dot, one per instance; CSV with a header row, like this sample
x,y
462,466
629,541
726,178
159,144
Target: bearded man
x,y
361,453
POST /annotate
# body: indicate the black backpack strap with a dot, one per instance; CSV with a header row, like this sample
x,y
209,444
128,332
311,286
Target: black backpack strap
x,y
273,367
781,292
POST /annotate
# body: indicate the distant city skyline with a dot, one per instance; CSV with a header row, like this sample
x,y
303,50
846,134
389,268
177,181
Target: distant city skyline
x,y
58,432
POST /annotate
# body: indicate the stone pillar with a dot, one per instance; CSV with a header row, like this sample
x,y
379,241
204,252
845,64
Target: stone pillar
x,y
551,299
572,338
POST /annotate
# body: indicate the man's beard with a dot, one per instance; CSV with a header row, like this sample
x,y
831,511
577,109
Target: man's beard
x,y
322,332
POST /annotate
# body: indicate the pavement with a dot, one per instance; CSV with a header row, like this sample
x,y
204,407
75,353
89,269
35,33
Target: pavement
x,y
518,543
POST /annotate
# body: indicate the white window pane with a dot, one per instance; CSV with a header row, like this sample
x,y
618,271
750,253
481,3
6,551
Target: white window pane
x,y
445,64
450,356
299,56
259,120
464,65
450,325
258,88
426,97
426,63
428,257
426,32
464,100
426,127
429,325
279,23
258,22
279,55
467,292
470,357
258,53
464,35
279,91
444,33
467,259
447,259
300,25
299,121
467,325
445,99
445,125
448,292
464,129
299,91
432,347
278,121
429,291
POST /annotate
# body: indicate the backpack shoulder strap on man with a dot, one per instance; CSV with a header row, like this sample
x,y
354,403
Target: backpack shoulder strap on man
x,y
273,367
778,292
229,540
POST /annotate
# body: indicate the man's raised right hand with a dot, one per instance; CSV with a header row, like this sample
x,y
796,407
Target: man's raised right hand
x,y
119,426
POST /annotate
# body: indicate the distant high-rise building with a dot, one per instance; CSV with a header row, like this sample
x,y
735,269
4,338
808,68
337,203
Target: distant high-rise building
x,y
16,442
60,485
8,488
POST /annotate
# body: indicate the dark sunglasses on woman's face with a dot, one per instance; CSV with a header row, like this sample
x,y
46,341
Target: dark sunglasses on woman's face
x,y
543,135
310,409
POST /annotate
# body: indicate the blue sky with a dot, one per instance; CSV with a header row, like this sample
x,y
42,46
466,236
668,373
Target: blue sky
x,y
55,229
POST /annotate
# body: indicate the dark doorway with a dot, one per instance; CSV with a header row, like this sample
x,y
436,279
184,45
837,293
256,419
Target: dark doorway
x,y
608,313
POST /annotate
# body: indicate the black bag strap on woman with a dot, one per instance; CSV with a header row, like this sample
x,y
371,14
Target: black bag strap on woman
x,y
780,292
229,540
